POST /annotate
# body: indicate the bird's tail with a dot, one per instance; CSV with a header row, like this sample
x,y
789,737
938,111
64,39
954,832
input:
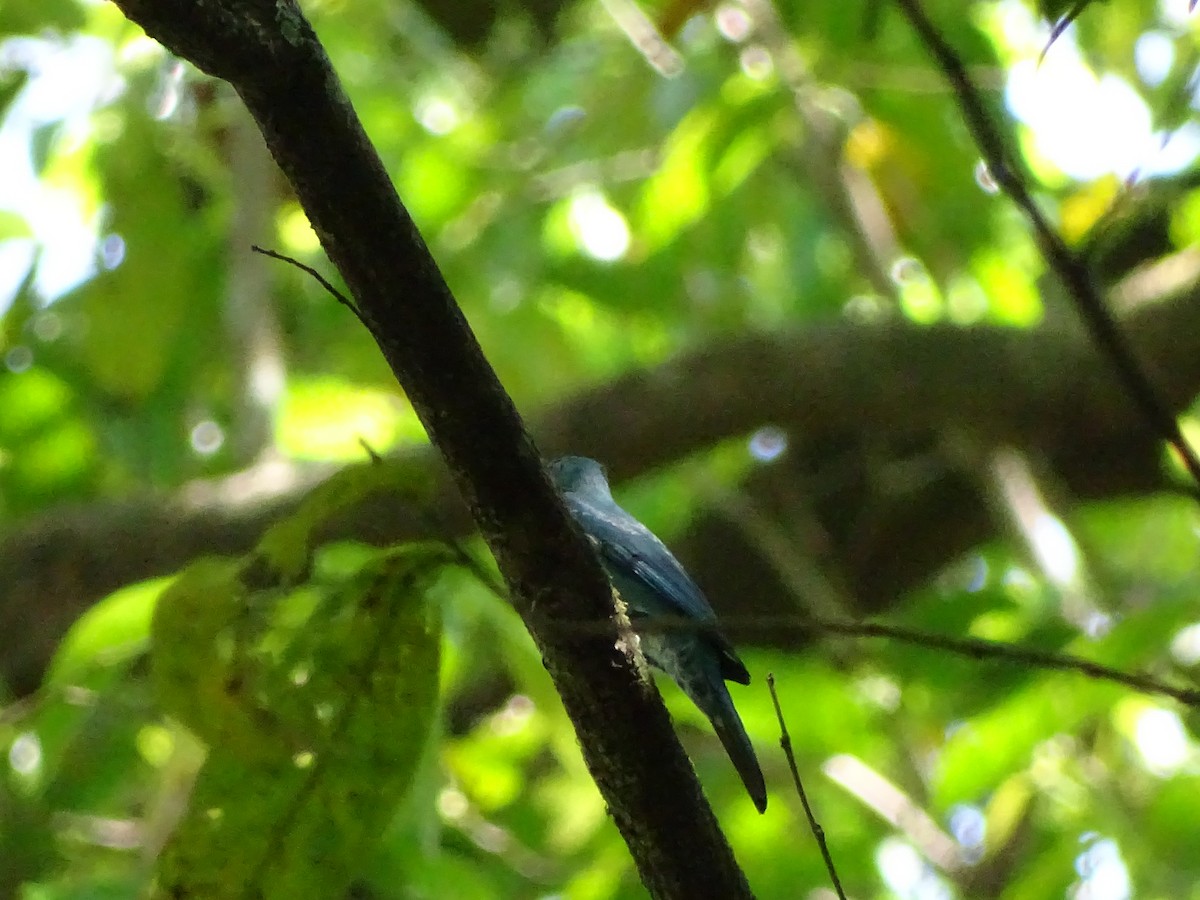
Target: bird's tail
x,y
718,706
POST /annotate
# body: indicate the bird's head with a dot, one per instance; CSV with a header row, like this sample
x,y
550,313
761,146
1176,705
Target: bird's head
x,y
580,475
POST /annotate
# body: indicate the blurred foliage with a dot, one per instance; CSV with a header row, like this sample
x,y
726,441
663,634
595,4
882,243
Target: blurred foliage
x,y
593,216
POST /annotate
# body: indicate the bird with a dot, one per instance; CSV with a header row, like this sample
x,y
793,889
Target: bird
x,y
652,582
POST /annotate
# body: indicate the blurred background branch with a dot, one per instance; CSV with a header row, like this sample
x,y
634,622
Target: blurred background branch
x,y
876,440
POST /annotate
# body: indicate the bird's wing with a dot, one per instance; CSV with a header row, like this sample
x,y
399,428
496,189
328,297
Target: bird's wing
x,y
631,551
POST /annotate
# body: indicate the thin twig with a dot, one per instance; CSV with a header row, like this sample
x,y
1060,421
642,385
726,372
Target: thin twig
x,y
320,279
1076,277
785,742
978,648
783,627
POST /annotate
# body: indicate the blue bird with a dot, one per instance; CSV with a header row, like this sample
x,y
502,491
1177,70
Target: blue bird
x,y
652,582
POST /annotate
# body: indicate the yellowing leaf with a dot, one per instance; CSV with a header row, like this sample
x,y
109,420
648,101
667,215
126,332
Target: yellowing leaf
x,y
678,193
1082,209
1013,298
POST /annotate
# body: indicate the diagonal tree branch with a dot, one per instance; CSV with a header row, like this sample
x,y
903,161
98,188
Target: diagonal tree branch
x,y
268,52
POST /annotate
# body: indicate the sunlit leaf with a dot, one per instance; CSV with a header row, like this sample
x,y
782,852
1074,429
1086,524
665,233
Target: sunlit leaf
x,y
330,419
112,631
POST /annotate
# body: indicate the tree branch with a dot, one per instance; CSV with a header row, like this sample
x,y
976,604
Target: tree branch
x,y
268,52
1043,391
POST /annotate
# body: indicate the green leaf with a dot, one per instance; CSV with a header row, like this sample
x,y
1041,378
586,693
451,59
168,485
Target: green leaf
x,y
352,690
143,313
197,667
27,845
287,545
10,87
113,630
35,18
1001,740
33,402
12,225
